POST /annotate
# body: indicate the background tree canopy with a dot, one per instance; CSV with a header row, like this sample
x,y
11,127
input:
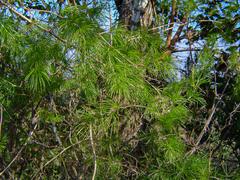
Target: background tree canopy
x,y
124,89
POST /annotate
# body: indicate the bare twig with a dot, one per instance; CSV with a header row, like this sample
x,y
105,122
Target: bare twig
x,y
1,119
211,115
4,165
39,10
53,123
225,135
153,29
9,82
190,44
180,25
110,14
209,21
94,154
139,106
24,145
56,134
183,50
59,155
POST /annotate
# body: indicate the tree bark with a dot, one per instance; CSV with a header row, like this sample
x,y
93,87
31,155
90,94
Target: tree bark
x,y
135,13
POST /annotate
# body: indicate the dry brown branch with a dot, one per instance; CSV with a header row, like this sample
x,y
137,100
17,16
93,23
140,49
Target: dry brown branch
x,y
59,155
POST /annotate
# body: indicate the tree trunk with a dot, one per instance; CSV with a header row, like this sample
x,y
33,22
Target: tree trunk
x,y
135,13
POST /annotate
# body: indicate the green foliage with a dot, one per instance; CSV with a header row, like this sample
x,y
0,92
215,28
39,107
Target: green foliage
x,y
3,142
115,100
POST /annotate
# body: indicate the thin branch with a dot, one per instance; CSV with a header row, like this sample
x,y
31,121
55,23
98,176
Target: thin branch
x,y
1,119
180,25
179,31
4,165
183,50
56,134
152,29
225,135
24,145
169,36
139,106
190,44
210,116
69,3
22,16
93,150
110,14
28,20
59,155
44,3
117,50
53,123
96,59
46,30
207,123
155,13
40,10
9,82
209,21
